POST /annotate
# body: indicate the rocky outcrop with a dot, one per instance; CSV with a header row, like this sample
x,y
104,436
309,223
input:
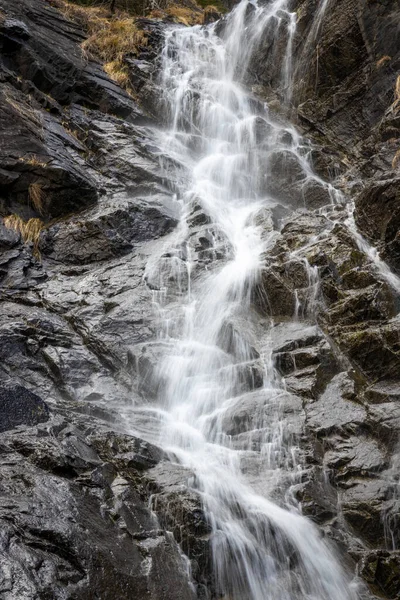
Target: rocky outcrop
x,y
78,141
44,163
75,515
348,99
377,216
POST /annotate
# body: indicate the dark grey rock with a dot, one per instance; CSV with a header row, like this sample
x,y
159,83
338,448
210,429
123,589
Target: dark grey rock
x,y
75,520
109,230
377,215
19,406
336,410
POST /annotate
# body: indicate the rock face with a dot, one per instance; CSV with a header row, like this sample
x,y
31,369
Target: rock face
x,y
65,472
349,101
377,216
60,482
345,97
18,406
88,509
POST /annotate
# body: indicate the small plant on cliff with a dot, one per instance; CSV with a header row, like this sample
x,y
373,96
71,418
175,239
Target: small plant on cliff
x,y
28,230
110,36
192,15
111,42
396,160
114,37
36,196
33,161
383,61
395,107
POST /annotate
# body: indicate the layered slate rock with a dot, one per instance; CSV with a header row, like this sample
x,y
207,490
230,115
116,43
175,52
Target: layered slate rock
x,y
43,164
378,217
346,97
75,519
19,406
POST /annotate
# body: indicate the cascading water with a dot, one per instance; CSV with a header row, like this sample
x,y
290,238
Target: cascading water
x,y
223,142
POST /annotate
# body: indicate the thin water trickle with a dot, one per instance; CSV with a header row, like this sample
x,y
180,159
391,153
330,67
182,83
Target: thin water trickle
x,y
262,549
382,268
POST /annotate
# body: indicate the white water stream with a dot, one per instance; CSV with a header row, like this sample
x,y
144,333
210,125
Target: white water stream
x,y
226,141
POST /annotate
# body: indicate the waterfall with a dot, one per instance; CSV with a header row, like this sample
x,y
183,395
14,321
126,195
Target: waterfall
x,y
225,146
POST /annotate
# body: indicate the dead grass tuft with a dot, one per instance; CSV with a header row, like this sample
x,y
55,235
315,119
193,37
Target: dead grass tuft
x,y
119,72
179,14
395,106
185,15
25,110
211,8
211,13
157,14
85,16
382,61
397,88
110,37
396,160
29,230
113,38
36,197
33,161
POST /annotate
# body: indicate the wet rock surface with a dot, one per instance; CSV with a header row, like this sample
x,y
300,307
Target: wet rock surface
x,y
64,480
377,214
18,406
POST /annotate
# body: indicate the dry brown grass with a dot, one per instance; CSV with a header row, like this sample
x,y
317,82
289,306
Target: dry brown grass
x,y
25,110
85,16
211,8
29,230
395,106
36,197
119,72
397,88
110,37
33,161
180,14
211,13
396,160
111,42
114,37
185,15
382,61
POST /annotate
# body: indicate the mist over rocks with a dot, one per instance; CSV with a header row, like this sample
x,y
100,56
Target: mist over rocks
x,y
91,502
